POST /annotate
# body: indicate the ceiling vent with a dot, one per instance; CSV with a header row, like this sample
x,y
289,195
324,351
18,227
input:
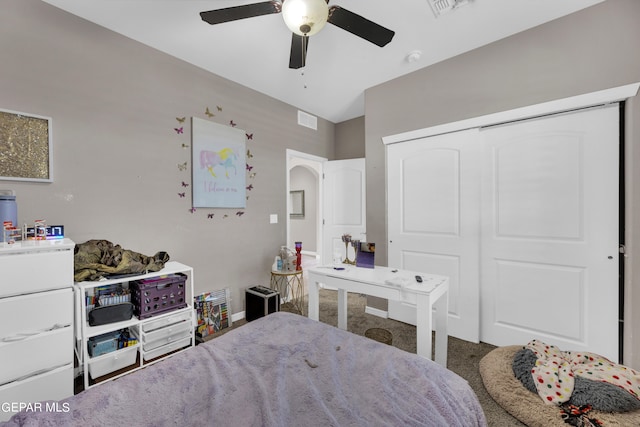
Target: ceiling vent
x,y
440,7
307,120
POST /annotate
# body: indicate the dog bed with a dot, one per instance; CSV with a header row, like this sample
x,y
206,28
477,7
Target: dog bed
x,y
496,369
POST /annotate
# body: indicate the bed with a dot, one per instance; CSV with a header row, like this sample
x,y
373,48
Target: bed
x,y
280,370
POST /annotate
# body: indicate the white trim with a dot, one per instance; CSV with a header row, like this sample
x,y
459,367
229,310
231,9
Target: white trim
x,y
296,158
606,96
376,312
236,317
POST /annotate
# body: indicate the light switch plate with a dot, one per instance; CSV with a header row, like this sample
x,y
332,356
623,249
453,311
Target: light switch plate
x,y
273,218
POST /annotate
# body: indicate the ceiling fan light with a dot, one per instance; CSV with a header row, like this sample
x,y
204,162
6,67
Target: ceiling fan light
x,y
305,17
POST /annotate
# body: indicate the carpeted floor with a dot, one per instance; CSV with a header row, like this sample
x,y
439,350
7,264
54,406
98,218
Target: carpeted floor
x,y
463,357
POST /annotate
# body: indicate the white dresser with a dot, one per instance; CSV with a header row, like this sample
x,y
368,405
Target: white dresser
x,y
36,324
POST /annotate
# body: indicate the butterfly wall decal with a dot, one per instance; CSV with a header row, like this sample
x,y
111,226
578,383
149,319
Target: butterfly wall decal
x,y
219,108
252,175
210,215
181,195
249,167
185,145
185,184
225,216
232,123
181,119
239,213
182,166
249,135
179,130
249,155
208,113
250,187
192,210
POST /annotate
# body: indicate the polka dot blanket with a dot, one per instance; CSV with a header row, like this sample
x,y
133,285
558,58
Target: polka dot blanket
x,y
554,372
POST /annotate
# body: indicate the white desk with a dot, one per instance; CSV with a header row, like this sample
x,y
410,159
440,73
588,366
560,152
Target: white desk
x,y
400,285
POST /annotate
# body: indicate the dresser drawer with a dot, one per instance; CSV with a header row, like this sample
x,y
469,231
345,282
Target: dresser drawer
x,y
34,313
53,385
24,273
35,353
167,320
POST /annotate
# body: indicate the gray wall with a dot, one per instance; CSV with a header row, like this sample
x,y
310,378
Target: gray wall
x,y
114,104
350,139
590,50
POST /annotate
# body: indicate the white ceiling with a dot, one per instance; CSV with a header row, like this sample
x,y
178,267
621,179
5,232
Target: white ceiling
x,y
340,66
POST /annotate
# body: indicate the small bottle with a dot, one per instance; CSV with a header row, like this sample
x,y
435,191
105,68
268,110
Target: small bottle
x,y
278,263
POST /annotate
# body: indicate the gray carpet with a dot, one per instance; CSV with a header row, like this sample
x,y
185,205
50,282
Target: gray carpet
x,y
463,357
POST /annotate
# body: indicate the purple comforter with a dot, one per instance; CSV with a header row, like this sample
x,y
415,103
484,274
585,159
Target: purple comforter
x,y
280,370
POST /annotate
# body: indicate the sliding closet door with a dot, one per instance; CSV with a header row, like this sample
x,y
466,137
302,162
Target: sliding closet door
x,y
549,252
433,189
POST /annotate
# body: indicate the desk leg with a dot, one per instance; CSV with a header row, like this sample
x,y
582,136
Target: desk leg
x,y
424,326
342,309
442,337
314,299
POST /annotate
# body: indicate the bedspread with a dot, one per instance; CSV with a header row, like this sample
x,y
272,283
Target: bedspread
x,y
279,370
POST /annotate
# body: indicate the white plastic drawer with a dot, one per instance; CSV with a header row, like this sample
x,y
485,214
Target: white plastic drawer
x,y
52,269
167,336
31,354
167,320
166,331
111,362
53,385
33,313
167,348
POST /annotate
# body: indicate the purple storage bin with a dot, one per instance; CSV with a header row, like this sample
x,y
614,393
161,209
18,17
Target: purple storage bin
x,y
158,295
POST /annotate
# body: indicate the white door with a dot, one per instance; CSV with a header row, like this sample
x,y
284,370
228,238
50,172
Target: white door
x,y
549,254
433,212
344,206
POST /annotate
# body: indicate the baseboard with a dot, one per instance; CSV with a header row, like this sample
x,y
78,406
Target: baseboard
x,y
237,316
376,312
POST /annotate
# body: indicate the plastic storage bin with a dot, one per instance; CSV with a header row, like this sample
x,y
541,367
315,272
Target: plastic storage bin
x,y
111,362
158,295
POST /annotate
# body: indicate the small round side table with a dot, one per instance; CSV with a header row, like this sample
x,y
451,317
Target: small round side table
x,y
290,284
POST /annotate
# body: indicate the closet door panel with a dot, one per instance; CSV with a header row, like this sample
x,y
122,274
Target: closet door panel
x,y
549,245
433,191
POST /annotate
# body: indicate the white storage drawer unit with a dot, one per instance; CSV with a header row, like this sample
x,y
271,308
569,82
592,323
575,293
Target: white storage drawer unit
x,y
157,336
36,322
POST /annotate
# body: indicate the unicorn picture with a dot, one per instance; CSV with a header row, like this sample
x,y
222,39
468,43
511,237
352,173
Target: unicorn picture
x,y
225,158
218,159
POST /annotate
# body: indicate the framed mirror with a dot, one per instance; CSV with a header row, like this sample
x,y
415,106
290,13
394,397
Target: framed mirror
x,y
297,204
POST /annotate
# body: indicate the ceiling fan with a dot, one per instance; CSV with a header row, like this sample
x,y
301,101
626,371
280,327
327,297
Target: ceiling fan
x,y
304,18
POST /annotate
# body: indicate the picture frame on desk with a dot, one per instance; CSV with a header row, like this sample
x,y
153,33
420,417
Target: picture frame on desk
x,y
366,255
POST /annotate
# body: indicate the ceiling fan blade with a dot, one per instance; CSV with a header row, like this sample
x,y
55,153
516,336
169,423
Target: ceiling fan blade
x,y
360,26
298,56
234,13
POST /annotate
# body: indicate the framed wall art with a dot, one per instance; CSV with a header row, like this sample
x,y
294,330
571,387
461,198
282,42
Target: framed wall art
x,y
297,204
218,165
25,147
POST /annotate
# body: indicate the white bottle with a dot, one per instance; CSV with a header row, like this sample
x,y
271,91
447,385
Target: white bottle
x,y
277,265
